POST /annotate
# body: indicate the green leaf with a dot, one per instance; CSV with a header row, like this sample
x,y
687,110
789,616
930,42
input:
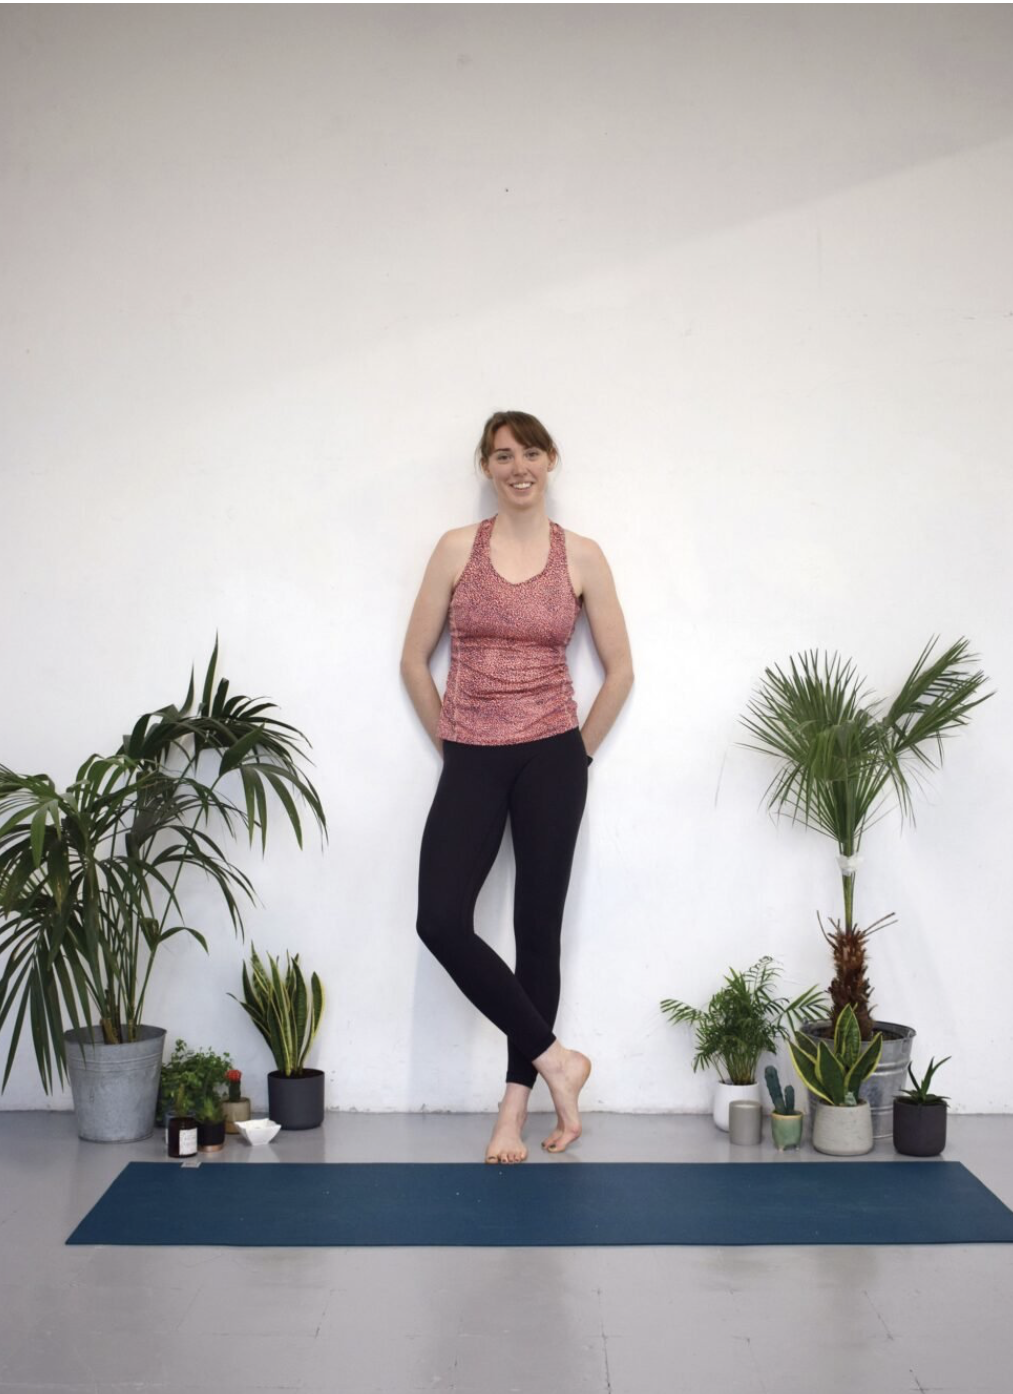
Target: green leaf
x,y
806,1070
830,1074
238,751
847,1037
865,1064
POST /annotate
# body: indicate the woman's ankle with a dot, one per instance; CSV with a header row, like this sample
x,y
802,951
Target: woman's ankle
x,y
551,1060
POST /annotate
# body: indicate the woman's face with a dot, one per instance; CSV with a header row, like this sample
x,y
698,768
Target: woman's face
x,y
519,473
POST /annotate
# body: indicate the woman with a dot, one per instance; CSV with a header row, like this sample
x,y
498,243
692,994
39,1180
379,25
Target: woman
x,y
507,728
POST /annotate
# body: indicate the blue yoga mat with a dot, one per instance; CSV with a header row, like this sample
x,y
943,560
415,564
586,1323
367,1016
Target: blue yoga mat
x,y
449,1204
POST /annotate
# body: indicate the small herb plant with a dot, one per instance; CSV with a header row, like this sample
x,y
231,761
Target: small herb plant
x,y
836,1074
745,1020
193,1081
920,1093
784,1104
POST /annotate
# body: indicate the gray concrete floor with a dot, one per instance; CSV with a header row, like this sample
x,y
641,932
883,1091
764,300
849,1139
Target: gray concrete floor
x,y
635,1320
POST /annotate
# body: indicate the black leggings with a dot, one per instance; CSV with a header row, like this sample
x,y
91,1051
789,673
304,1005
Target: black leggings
x,y
542,785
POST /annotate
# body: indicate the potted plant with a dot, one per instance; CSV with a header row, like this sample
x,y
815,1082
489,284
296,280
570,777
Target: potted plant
x,y
786,1120
742,1021
236,1107
91,883
842,1125
199,1078
170,1079
287,1014
181,1127
210,1070
839,761
210,1122
919,1117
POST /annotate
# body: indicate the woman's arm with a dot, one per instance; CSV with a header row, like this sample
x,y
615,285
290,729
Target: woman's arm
x,y
424,629
608,630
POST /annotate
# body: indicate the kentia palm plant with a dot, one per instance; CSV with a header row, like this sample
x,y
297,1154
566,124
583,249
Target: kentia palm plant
x,y
744,1020
840,760
90,876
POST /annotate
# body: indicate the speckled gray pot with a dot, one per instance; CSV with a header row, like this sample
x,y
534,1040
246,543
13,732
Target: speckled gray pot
x,y
114,1086
842,1132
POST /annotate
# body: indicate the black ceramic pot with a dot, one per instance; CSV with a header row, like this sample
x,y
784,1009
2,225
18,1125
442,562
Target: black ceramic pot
x,y
211,1136
296,1101
919,1130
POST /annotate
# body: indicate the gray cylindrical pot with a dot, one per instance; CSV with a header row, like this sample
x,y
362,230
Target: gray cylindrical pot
x,y
919,1130
114,1086
296,1101
881,1088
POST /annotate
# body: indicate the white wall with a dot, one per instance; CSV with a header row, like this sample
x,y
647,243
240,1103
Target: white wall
x,y
265,271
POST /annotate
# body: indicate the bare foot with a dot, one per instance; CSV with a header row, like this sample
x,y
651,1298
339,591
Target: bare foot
x,y
565,1072
506,1144
557,1132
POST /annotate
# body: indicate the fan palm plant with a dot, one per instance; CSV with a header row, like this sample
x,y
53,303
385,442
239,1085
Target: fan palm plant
x,y
842,762
90,876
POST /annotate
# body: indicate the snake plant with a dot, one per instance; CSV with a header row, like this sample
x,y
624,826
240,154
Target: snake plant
x,y
284,1010
835,1074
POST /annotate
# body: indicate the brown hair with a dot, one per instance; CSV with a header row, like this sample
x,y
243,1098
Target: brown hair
x,y
527,430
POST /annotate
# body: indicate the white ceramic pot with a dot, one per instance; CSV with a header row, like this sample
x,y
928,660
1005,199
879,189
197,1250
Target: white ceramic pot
x,y
842,1132
725,1094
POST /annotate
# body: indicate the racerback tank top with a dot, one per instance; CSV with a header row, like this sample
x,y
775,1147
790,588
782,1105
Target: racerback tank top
x,y
508,680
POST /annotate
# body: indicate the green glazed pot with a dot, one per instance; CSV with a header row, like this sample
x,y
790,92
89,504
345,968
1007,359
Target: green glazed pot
x,y
786,1130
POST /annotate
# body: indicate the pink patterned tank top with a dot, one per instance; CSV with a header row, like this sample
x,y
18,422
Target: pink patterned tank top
x,y
509,681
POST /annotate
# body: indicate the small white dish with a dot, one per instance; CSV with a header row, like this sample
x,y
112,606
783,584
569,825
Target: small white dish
x,y
257,1131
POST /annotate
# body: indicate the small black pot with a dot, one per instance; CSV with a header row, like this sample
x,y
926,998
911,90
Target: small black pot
x,y
919,1130
211,1136
296,1101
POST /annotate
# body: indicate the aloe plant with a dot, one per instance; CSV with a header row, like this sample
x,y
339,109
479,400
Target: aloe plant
x,y
920,1094
92,876
836,1073
284,1010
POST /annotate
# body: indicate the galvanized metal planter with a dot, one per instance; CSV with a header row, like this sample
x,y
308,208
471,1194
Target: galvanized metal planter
x,y
114,1086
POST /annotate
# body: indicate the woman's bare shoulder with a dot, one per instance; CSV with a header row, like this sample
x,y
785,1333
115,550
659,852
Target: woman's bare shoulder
x,y
454,549
583,551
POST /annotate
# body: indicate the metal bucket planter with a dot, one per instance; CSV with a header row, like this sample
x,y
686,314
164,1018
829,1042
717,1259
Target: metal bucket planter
x,y
114,1086
882,1086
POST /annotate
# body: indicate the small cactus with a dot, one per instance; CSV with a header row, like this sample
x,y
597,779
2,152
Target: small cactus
x,y
783,1103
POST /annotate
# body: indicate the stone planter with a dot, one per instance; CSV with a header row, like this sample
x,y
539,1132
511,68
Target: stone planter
x,y
842,1132
235,1109
114,1086
296,1101
919,1130
882,1086
726,1094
